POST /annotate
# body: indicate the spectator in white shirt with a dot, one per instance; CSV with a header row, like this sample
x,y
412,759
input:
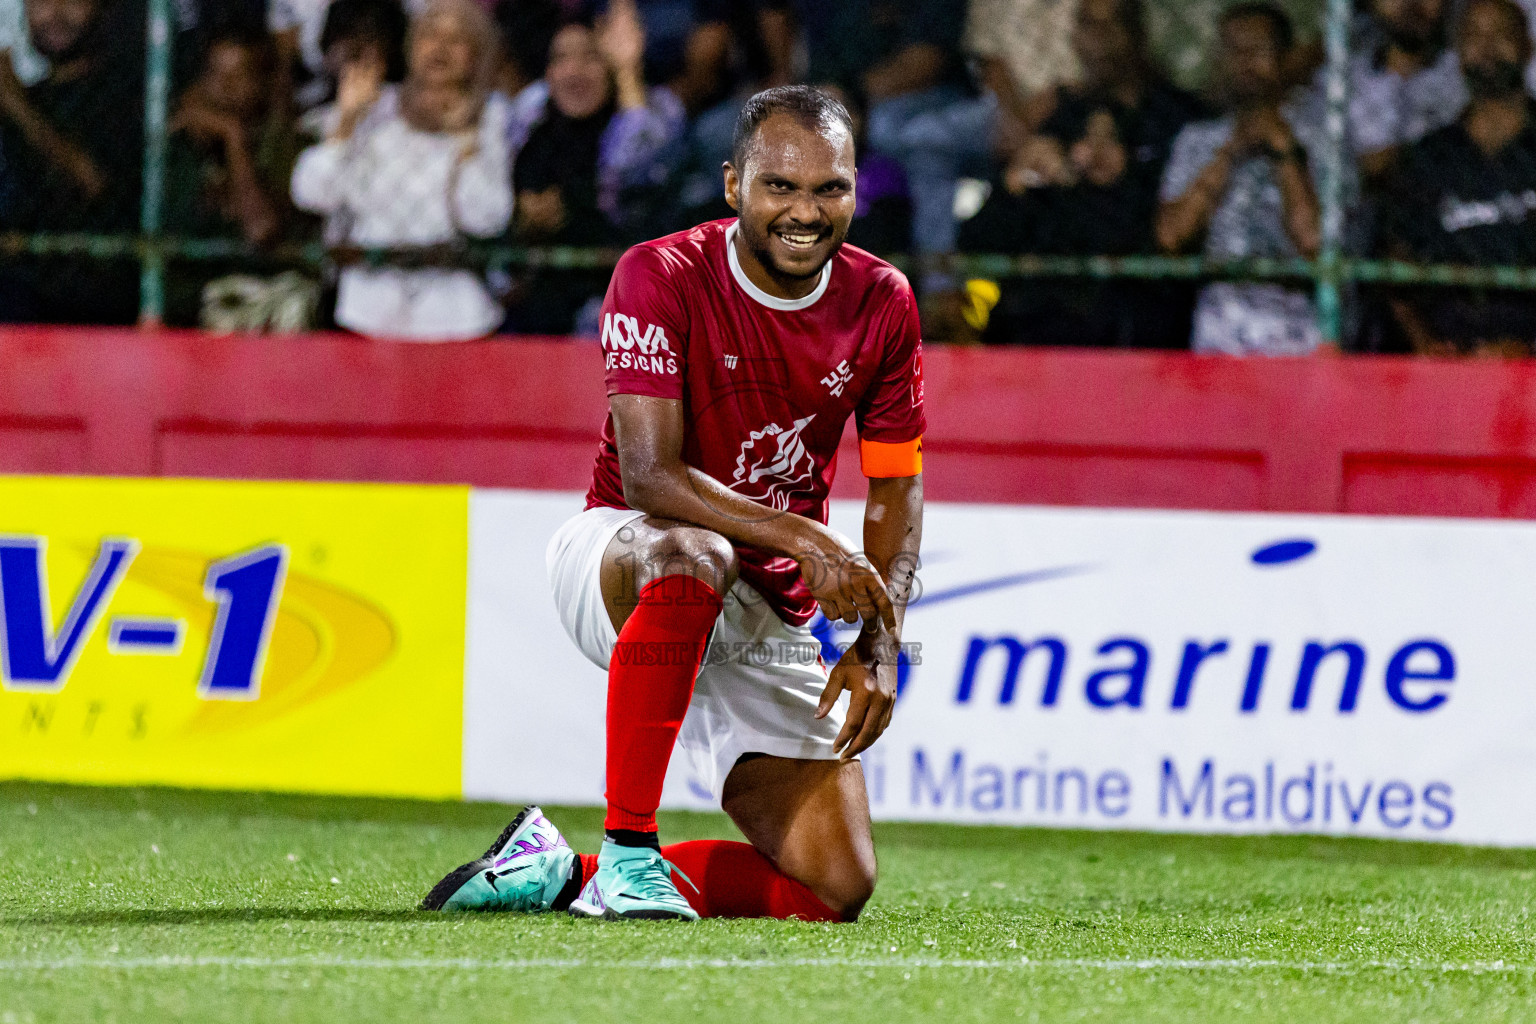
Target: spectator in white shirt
x,y
422,164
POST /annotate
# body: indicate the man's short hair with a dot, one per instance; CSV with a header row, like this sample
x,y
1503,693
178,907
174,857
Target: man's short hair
x,y
807,104
1279,22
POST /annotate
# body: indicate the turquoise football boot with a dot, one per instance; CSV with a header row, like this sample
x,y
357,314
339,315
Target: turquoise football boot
x,y
524,870
633,883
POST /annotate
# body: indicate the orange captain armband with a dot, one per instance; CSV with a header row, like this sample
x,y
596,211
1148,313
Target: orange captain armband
x,y
878,459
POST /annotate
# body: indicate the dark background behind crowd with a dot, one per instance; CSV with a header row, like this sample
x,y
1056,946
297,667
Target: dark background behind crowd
x,y
1052,127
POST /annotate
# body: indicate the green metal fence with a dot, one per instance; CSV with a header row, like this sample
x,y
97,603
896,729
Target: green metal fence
x,y
1329,273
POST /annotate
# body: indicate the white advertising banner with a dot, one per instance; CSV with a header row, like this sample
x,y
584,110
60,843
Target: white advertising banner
x,y
1115,669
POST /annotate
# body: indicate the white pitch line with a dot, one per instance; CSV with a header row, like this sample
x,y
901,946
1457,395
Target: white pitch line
x,y
692,963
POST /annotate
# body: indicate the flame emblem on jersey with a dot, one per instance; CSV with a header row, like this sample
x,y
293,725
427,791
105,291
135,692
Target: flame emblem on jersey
x,y
770,470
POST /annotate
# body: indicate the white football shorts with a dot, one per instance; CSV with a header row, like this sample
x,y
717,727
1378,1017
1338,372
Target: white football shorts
x,y
757,690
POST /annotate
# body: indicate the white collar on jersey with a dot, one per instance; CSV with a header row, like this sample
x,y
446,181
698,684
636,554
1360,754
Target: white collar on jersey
x,y
762,296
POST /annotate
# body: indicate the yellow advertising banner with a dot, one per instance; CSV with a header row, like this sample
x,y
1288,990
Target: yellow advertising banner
x,y
283,636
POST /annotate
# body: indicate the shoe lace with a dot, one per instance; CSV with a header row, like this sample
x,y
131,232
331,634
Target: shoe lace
x,y
651,881
673,869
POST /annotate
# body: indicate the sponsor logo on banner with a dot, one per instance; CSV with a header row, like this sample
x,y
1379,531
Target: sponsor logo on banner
x,y
282,636
1140,670
1352,678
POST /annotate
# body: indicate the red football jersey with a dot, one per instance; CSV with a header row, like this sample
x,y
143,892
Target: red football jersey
x,y
767,384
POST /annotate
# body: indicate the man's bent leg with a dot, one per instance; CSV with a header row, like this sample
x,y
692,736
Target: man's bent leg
x,y
663,584
729,879
650,549
811,819
811,855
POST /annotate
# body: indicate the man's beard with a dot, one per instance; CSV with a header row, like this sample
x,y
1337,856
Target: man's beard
x,y
759,247
1494,81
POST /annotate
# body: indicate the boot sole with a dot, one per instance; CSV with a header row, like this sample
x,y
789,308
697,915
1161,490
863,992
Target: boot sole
x,y
609,914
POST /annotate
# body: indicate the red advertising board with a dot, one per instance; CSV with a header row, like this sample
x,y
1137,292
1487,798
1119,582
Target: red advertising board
x,y
1061,427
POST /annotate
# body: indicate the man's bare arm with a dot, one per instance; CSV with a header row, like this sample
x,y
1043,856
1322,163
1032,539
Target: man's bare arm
x,y
67,158
1180,221
649,436
1303,214
893,532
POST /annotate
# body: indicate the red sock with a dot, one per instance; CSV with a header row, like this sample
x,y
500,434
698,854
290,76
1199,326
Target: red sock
x,y
650,680
734,880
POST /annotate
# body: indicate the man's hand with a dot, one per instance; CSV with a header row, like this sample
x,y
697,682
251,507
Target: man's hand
x,y
621,36
1099,157
57,150
893,530
843,582
357,90
648,433
621,41
1039,162
204,124
867,670
540,214
1263,129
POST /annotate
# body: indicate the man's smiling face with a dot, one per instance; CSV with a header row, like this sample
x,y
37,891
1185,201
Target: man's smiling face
x,y
795,194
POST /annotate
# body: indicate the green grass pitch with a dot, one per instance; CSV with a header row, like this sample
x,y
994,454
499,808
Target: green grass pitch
x,y
153,905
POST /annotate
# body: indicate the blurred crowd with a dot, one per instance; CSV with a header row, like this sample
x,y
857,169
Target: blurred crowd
x,y
1051,127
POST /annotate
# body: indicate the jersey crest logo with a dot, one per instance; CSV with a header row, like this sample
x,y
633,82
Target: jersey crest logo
x,y
838,378
772,462
730,362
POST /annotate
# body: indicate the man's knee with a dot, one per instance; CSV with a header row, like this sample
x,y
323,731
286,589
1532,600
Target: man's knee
x,y
692,551
848,887
810,818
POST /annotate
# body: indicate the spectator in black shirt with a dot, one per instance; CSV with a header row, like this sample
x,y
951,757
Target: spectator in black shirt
x,y
1086,183
587,141
74,147
1467,194
229,157
229,160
